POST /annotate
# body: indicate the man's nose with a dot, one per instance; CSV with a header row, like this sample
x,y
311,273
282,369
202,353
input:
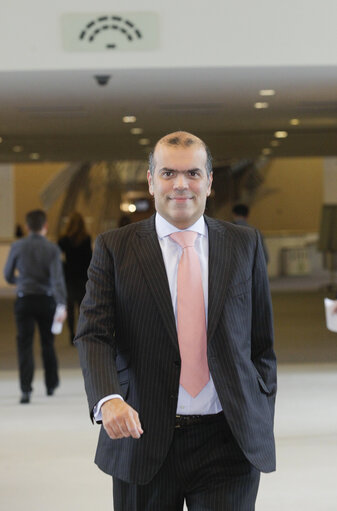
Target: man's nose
x,y
180,182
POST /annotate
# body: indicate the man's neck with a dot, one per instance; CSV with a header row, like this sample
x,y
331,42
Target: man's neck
x,y
164,228
180,227
39,233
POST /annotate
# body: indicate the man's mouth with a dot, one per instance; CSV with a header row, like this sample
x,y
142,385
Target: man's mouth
x,y
180,198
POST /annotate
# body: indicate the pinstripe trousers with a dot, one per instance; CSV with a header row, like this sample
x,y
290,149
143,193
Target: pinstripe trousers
x,y
204,466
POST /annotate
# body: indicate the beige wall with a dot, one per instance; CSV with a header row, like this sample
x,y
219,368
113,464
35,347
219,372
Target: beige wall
x,y
29,180
294,206
296,203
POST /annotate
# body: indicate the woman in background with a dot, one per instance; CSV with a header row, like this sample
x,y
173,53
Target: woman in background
x,y
75,243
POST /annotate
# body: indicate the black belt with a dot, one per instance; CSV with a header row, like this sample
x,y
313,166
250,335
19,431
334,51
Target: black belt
x,y
189,420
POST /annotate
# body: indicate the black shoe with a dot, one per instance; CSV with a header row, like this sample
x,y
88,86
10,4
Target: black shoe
x,y
51,390
25,398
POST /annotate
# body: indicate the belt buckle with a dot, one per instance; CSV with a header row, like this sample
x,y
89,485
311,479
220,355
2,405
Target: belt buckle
x,y
184,420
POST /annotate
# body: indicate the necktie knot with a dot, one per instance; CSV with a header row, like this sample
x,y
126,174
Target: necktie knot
x,y
184,238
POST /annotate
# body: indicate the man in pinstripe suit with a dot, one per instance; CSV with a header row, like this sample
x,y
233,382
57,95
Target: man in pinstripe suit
x,y
161,445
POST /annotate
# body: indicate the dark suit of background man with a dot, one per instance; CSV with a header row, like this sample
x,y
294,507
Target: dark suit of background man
x,y
161,445
40,285
240,217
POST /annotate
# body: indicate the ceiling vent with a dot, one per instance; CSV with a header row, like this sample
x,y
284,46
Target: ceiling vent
x,y
119,31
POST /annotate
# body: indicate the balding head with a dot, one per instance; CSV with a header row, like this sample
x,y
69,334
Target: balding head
x,y
181,139
180,182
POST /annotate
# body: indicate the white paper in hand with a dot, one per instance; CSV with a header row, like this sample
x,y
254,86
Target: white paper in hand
x,y
330,316
56,327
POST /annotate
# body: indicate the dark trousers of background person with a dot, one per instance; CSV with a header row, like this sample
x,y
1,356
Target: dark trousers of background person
x,y
31,309
75,295
205,466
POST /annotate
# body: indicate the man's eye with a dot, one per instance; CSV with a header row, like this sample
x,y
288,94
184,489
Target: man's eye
x,y
193,173
168,173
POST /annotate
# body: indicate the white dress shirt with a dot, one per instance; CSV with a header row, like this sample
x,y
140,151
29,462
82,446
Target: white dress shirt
x,y
207,401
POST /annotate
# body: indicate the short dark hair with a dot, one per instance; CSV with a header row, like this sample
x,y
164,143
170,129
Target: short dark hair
x,y
240,210
36,219
181,138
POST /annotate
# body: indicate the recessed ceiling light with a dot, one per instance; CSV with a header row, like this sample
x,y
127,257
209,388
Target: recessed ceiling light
x,y
129,118
34,156
136,131
274,143
17,149
132,208
144,141
294,122
267,92
266,151
260,105
281,134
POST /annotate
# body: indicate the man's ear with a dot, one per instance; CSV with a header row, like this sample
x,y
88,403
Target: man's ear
x,y
210,181
149,180
44,229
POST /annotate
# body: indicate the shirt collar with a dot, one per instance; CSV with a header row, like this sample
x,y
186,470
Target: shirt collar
x,y
164,228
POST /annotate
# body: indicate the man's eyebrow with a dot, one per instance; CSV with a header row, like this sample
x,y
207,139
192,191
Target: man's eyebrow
x,y
166,169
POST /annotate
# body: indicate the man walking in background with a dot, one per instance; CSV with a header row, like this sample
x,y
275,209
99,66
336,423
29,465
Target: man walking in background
x,y
240,214
175,339
34,265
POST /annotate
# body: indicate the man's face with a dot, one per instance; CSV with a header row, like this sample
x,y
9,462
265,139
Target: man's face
x,y
180,184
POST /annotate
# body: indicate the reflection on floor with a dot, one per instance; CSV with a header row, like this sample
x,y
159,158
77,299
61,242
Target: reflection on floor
x,y
47,447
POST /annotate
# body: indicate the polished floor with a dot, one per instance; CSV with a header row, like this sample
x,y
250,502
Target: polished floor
x,y
47,447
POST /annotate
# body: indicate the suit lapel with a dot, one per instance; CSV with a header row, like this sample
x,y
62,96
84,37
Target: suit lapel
x,y
219,268
149,255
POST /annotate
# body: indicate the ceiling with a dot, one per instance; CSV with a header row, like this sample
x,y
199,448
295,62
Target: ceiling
x,y
68,116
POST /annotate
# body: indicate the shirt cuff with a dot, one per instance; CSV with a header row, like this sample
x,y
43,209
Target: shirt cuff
x,y
97,408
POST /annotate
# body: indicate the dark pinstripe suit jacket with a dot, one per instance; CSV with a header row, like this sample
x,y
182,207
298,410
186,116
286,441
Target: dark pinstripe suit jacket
x,y
128,343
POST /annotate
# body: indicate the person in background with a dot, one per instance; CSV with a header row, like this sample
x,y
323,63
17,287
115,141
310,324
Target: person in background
x,y
34,265
240,214
19,231
75,243
175,339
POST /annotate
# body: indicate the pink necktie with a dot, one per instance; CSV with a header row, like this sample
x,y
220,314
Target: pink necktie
x,y
191,320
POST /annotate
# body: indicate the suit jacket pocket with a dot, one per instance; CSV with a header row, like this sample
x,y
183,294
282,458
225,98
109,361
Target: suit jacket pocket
x,y
123,378
240,288
122,366
262,384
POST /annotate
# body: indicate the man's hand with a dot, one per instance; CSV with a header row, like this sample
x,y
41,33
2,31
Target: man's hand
x,y
61,313
120,420
334,310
